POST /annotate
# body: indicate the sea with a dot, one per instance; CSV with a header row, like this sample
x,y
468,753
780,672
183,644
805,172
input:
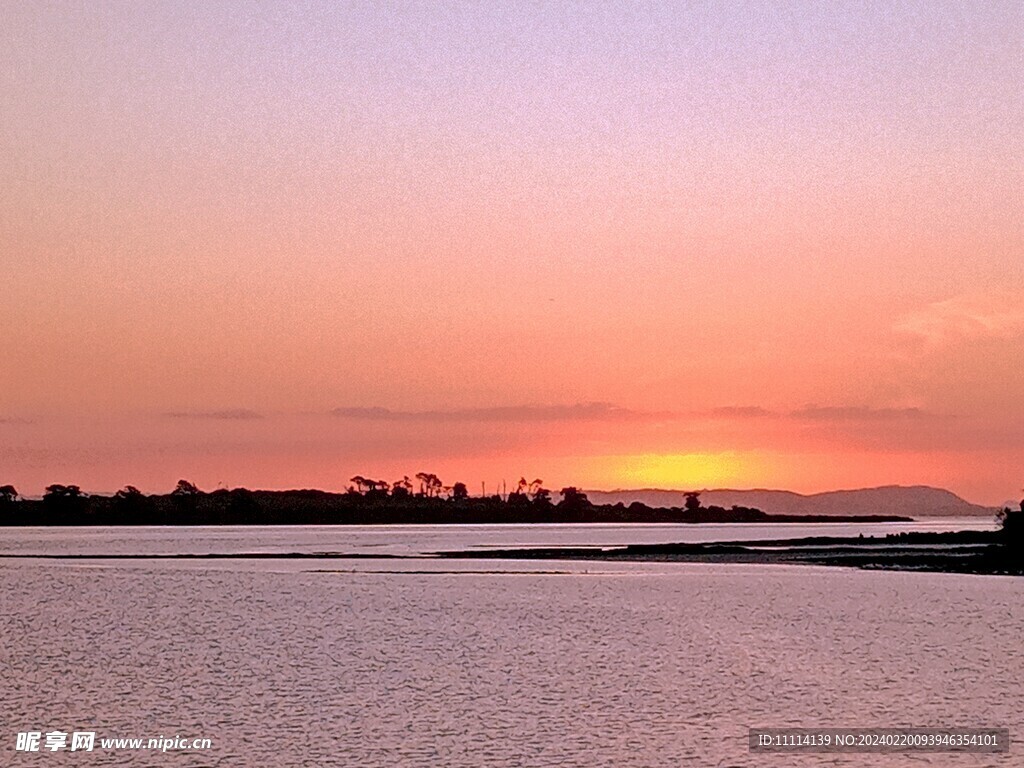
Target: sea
x,y
372,651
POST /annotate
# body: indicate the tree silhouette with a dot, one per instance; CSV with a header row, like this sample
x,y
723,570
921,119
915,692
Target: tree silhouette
x,y
186,498
692,502
1011,523
131,502
63,492
242,505
185,488
128,492
430,484
377,490
64,501
401,489
518,498
379,502
540,495
573,499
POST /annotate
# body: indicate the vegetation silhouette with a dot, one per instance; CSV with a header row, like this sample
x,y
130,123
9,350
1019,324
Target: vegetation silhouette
x,y
692,500
365,502
1011,525
65,501
994,552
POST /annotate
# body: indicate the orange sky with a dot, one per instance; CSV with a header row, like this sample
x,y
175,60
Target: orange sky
x,y
605,246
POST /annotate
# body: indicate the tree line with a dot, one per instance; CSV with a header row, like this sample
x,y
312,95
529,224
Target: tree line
x,y
421,499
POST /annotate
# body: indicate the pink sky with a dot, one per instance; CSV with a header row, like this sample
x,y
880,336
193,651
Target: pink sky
x,y
602,245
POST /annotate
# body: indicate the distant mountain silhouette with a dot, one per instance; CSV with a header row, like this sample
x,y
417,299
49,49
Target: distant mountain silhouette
x,y
911,501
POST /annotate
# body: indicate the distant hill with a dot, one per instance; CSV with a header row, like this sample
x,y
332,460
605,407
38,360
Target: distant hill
x,y
910,501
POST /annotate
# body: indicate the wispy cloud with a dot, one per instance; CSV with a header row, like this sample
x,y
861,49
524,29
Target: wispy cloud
x,y
858,413
739,412
964,317
232,414
512,413
609,412
817,413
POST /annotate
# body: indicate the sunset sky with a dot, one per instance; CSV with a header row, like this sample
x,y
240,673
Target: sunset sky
x,y
680,245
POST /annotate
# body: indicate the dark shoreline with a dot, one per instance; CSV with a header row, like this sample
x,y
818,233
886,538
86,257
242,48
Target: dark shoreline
x,y
965,552
969,552
68,506
767,520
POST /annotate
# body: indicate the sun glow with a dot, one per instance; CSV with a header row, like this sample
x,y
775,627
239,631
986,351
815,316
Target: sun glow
x,y
689,470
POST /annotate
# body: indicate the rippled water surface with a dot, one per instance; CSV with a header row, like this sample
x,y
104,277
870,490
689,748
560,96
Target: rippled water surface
x,y
412,539
419,662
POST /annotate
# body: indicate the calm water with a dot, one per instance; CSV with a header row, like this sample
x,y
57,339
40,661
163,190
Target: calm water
x,y
422,662
412,539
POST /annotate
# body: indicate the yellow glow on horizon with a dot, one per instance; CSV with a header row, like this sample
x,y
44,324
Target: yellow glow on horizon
x,y
690,470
